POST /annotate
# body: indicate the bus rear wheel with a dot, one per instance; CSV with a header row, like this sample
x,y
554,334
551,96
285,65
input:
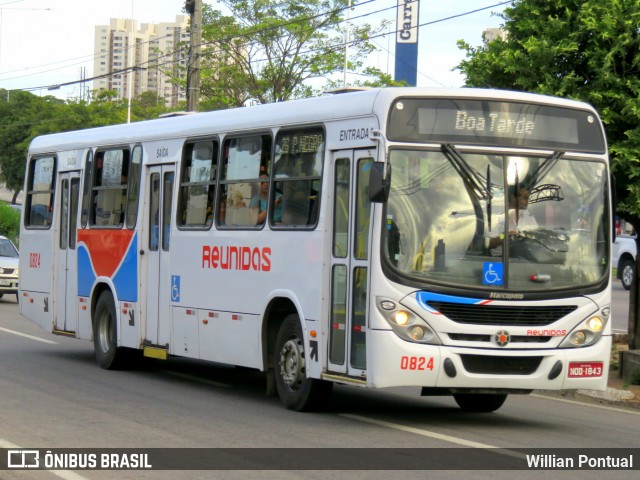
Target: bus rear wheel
x,y
480,402
108,355
296,391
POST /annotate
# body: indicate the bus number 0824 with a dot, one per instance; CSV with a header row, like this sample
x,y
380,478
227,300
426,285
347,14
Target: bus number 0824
x,y
416,363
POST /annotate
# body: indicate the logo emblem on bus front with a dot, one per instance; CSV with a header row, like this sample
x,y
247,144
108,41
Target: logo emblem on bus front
x,y
502,338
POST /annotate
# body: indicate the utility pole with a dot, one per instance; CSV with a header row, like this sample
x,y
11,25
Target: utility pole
x,y
194,8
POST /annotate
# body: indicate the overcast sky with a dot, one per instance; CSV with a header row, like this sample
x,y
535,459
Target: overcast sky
x,y
47,42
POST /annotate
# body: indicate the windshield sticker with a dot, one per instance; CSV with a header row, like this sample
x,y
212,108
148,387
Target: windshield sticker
x,y
492,273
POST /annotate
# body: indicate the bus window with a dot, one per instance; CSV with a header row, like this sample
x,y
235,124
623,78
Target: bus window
x,y
197,184
341,208
297,177
134,186
363,210
40,192
86,189
245,160
110,187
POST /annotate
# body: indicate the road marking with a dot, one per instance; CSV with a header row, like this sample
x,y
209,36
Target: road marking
x,y
64,474
587,404
437,436
37,339
418,431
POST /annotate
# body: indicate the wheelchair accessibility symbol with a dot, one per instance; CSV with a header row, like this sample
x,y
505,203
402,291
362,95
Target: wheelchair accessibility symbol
x,y
175,288
493,273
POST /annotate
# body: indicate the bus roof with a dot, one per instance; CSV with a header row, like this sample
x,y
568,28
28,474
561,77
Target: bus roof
x,y
297,112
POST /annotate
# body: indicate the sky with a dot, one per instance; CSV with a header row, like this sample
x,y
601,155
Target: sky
x,y
47,42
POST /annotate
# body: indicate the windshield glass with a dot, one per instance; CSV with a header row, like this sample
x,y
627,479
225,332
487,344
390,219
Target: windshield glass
x,y
446,220
7,249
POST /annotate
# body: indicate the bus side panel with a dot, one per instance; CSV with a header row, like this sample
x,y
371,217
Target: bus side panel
x,y
36,265
113,255
230,338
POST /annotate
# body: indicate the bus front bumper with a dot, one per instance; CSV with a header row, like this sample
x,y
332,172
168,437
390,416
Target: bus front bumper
x,y
393,362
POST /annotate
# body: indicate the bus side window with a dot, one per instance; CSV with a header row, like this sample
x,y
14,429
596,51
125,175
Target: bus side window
x,y
133,193
197,184
244,160
111,179
86,189
298,169
40,193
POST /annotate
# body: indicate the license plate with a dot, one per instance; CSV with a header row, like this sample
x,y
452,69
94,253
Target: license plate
x,y
585,369
5,283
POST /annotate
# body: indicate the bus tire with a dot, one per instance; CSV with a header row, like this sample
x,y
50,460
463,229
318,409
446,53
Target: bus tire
x,y
296,391
480,402
108,355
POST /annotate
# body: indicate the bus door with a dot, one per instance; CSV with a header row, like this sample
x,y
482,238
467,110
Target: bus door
x,y
158,288
66,263
349,261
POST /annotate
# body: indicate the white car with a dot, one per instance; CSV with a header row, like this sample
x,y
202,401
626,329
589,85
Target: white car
x,y
624,258
9,272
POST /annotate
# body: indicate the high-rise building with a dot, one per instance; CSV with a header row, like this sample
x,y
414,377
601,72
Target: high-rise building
x,y
156,50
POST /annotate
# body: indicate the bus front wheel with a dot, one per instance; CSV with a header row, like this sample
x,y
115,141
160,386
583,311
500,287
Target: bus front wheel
x,y
296,391
108,355
480,402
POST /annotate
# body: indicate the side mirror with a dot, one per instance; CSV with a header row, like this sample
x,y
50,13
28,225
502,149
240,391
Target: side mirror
x,y
379,182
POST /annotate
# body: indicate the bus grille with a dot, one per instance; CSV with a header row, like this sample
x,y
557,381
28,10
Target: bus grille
x,y
501,315
500,365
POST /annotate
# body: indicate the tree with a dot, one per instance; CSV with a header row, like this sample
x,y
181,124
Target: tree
x,y
587,50
24,116
20,113
268,50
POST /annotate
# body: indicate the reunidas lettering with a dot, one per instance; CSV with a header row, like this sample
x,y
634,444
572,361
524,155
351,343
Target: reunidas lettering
x,y
236,258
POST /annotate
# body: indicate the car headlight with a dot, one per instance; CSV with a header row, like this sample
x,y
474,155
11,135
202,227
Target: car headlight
x,y
588,331
406,324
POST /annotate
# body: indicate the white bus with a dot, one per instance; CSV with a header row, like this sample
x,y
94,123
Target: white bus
x,y
369,238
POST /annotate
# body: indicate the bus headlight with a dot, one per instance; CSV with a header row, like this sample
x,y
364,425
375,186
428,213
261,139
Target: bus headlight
x,y
586,333
406,324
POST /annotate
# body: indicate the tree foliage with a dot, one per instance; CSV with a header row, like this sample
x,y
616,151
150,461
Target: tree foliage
x,y
24,116
267,50
587,50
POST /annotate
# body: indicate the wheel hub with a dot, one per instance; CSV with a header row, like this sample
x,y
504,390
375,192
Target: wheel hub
x,y
292,362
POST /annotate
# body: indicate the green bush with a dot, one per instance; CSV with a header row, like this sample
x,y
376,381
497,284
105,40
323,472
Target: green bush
x,y
9,222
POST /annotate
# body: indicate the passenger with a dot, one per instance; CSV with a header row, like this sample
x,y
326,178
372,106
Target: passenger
x,y
261,199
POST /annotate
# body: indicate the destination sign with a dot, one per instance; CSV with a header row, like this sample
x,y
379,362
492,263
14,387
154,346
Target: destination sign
x,y
496,123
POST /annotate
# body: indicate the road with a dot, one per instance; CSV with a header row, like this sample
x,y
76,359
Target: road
x,y
52,395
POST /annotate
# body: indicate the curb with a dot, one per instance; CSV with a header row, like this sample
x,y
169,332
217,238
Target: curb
x,y
610,396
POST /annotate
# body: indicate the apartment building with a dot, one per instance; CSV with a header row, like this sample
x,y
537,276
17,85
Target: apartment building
x,y
155,48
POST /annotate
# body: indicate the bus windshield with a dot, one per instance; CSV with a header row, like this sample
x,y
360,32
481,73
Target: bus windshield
x,y
497,221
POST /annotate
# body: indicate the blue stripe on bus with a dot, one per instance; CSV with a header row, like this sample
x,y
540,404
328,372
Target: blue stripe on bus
x,y
86,273
424,297
126,277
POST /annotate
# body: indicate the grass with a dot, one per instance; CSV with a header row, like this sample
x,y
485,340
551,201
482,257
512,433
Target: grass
x,y
9,222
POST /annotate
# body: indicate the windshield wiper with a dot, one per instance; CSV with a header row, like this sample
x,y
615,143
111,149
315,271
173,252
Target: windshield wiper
x,y
547,165
471,176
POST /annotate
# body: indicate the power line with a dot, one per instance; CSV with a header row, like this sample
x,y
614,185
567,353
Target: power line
x,y
229,39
